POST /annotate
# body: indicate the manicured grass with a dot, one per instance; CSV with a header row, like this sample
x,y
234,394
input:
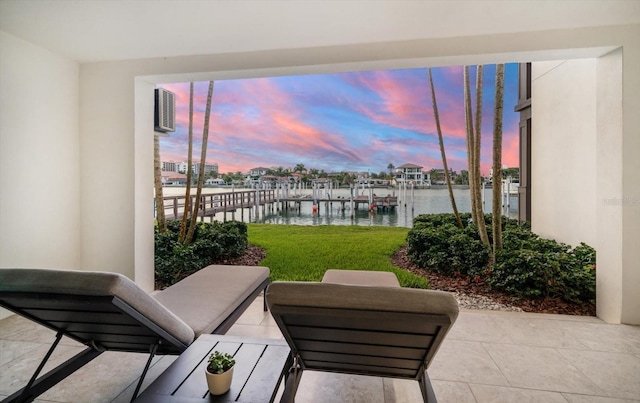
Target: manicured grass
x,y
304,253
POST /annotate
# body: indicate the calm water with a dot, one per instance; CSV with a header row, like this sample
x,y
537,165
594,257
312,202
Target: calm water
x,y
411,204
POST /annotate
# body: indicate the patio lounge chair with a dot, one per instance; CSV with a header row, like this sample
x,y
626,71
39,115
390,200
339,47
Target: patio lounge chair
x,y
109,312
384,331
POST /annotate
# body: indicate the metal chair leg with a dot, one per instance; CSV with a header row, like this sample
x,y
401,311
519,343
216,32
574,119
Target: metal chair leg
x,y
428,394
291,383
152,353
38,385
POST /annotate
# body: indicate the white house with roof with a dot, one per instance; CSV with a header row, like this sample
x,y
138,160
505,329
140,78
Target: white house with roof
x,y
412,174
259,171
85,102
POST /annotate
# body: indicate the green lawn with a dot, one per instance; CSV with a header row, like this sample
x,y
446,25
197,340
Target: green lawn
x,y
304,253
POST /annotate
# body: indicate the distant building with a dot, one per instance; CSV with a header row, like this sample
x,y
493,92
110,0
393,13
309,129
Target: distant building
x,y
181,167
214,182
260,171
439,173
170,166
170,178
412,173
208,168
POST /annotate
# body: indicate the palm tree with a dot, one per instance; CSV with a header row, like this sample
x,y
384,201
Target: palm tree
x,y
187,195
473,152
203,157
390,167
477,191
299,168
497,160
468,122
444,157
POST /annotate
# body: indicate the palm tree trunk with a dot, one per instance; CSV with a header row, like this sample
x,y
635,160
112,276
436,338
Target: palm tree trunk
x,y
470,141
444,157
157,179
477,196
187,196
473,150
203,158
497,160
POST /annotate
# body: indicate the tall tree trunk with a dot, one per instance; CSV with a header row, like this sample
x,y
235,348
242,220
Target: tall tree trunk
x,y
473,151
203,158
477,189
187,195
468,123
157,181
497,160
444,157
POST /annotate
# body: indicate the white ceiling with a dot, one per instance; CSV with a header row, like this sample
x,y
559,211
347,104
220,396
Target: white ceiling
x,y
104,30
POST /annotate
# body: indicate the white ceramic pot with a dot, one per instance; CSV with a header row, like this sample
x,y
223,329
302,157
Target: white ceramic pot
x,y
219,384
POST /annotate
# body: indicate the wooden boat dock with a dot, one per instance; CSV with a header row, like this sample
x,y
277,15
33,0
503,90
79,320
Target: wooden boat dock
x,y
256,200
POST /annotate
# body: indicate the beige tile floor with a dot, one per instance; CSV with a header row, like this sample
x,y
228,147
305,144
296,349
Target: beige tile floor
x,y
487,357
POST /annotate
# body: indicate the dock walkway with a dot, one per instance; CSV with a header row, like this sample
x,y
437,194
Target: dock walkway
x,y
231,202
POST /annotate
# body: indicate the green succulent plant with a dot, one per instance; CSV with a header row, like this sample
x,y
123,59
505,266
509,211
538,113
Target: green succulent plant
x,y
220,362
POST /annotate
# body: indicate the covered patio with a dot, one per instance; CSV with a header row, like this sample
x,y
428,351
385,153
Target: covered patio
x,y
76,85
487,357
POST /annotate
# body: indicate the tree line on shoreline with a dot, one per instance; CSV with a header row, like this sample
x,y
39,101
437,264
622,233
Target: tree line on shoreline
x,y
349,177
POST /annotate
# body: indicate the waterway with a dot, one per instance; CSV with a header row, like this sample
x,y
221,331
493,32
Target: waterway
x,y
410,204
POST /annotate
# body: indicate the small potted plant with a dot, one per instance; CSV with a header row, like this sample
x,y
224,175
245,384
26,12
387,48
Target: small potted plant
x,y
219,372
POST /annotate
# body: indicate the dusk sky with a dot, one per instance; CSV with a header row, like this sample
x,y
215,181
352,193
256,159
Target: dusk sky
x,y
341,122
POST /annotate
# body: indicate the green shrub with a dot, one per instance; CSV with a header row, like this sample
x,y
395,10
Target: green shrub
x,y
446,249
428,247
469,256
523,272
438,220
544,267
528,266
581,280
212,242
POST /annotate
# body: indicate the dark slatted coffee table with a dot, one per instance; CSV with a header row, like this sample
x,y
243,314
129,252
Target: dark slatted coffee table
x,y
260,366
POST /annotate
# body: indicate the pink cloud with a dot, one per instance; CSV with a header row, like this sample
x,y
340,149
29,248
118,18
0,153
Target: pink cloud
x,y
267,122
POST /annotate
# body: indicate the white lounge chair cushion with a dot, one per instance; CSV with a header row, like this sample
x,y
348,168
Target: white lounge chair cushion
x,y
95,283
375,298
206,298
361,277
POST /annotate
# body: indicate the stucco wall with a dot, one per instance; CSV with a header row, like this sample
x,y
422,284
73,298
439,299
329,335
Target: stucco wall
x,y
39,153
609,185
39,150
563,149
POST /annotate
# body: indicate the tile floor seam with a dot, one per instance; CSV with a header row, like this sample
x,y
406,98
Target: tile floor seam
x,y
588,377
523,388
24,352
606,397
563,358
523,343
472,393
495,363
557,350
538,390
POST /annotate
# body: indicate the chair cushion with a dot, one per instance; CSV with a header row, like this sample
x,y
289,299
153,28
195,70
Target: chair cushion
x,y
206,298
375,298
94,283
361,277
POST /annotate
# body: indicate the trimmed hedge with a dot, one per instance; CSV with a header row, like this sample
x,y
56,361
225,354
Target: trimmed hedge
x,y
528,266
212,242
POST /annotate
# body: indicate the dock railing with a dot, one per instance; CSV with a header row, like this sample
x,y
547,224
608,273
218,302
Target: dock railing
x,y
214,203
